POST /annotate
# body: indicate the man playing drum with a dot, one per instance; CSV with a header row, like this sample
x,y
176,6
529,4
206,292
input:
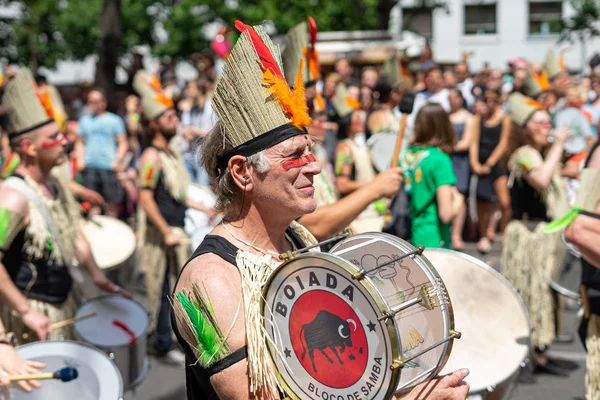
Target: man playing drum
x,y
259,158
40,240
163,198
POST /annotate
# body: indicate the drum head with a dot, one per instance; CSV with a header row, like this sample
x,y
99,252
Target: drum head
x,y
382,149
112,241
419,327
489,313
580,126
100,330
323,331
99,378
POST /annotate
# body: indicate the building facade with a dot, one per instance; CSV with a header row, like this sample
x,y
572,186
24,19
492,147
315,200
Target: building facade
x,y
493,30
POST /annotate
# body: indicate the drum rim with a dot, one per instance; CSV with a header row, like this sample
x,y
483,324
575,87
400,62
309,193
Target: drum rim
x,y
392,328
91,347
139,338
403,243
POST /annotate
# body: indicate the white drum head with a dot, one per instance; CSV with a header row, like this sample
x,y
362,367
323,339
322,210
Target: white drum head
x,y
112,241
490,315
100,330
580,126
419,327
382,149
99,378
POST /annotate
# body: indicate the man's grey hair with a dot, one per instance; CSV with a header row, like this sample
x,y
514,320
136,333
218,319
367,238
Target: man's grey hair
x,y
214,146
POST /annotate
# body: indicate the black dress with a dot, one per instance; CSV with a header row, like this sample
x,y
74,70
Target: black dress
x,y
489,137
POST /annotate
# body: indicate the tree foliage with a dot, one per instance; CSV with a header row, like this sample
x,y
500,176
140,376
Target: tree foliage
x,y
582,24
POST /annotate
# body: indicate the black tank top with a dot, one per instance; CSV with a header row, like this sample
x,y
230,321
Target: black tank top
x,y
197,378
171,209
37,278
489,137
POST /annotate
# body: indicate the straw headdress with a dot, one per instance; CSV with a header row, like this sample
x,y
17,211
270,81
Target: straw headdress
x,y
28,109
536,83
154,100
252,99
391,70
344,104
553,65
522,108
300,44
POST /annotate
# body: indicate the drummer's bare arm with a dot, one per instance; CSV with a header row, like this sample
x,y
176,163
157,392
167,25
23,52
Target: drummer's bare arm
x,y
448,387
149,174
326,221
540,177
343,170
14,216
584,233
449,202
220,283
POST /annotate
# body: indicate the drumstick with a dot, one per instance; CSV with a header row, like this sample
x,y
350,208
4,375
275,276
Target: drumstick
x,y
405,107
66,322
64,375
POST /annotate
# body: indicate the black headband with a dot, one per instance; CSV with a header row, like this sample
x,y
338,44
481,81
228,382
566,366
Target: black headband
x,y
32,128
260,143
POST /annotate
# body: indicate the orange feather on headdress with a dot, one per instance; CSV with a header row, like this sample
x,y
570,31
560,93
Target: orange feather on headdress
x,y
45,101
293,102
533,103
160,97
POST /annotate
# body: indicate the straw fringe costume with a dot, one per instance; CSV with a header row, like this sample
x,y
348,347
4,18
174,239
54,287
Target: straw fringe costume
x,y
155,255
171,178
530,256
48,240
257,110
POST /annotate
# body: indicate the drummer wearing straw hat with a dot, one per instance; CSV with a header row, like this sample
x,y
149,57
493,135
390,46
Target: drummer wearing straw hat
x,y
537,195
40,240
259,158
163,202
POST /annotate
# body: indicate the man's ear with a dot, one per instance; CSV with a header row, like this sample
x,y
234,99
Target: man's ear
x,y
240,172
26,146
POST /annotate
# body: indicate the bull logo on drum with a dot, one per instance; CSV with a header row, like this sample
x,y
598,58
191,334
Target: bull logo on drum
x,y
326,331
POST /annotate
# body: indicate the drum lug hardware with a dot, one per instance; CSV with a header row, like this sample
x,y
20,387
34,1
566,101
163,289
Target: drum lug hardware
x,y
402,363
400,308
360,275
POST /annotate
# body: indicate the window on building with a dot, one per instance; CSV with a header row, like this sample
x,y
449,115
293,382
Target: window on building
x,y
480,19
544,17
418,20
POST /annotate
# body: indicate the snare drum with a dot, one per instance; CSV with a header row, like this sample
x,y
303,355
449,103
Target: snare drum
x,y
403,281
99,378
120,329
493,319
331,330
197,223
113,246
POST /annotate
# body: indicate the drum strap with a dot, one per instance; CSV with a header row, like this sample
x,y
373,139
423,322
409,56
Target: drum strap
x,y
228,361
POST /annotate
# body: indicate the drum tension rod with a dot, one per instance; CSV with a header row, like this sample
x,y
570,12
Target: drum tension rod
x,y
290,254
386,315
401,363
361,273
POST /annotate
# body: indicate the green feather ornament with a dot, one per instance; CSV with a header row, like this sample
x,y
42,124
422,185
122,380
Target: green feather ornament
x,y
196,311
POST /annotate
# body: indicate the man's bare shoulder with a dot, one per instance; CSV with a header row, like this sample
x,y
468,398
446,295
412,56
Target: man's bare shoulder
x,y
13,200
209,271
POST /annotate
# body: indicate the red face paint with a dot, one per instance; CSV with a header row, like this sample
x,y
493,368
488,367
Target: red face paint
x,y
298,162
48,145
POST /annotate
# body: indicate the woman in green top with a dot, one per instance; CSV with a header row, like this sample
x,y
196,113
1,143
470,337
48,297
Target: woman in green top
x,y
429,178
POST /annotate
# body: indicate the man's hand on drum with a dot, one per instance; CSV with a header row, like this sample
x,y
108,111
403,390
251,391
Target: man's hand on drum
x,y
102,282
387,183
12,364
37,322
447,387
